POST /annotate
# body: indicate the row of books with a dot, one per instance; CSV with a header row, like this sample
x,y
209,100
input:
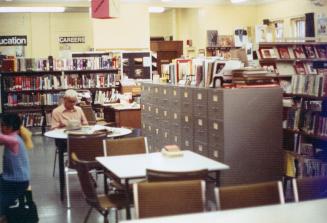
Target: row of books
x,y
304,166
296,52
12,64
314,85
199,72
49,82
37,99
314,123
34,119
34,99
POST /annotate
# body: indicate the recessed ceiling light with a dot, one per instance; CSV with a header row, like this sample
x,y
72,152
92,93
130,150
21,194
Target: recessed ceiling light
x,y
156,9
31,9
237,1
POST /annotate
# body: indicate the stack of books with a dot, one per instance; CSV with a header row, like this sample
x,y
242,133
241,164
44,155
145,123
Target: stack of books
x,y
253,77
171,151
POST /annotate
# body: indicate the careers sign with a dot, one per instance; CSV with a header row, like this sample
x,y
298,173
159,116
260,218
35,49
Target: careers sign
x,y
13,40
72,39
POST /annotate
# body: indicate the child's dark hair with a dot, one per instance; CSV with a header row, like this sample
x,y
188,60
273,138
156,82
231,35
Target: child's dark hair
x,y
11,120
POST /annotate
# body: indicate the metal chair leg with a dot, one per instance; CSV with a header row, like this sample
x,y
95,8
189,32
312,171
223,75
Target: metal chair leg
x,y
54,163
88,215
67,189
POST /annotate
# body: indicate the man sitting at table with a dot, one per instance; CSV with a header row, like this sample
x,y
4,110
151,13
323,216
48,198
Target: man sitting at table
x,y
67,111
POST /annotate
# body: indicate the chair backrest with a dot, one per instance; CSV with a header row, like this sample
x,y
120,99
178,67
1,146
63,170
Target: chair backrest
x,y
157,175
125,146
86,180
309,188
85,146
169,198
89,114
249,195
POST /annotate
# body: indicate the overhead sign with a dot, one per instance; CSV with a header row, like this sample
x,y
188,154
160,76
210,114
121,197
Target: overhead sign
x,y
13,40
105,9
72,39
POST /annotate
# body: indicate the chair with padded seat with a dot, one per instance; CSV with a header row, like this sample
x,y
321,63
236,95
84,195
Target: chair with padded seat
x,y
101,202
309,188
123,146
158,175
249,195
169,198
87,147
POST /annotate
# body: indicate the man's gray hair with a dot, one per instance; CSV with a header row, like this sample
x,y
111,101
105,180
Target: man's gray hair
x,y
70,94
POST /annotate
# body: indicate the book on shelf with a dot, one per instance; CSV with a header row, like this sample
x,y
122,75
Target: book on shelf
x,y
310,51
299,53
283,52
285,69
321,52
268,53
299,68
309,68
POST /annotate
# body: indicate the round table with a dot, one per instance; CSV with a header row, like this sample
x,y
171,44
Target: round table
x,y
60,135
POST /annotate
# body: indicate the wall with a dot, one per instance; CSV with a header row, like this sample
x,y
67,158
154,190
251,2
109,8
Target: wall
x,y
129,31
161,24
43,30
286,10
194,23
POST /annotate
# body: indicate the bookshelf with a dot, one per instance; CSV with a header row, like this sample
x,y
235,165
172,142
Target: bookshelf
x,y
300,66
219,124
33,94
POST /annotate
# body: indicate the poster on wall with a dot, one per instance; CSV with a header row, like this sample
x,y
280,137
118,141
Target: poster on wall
x,y
260,33
322,26
240,37
212,37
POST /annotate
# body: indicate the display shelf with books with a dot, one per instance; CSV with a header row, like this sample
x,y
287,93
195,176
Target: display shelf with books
x,y
295,64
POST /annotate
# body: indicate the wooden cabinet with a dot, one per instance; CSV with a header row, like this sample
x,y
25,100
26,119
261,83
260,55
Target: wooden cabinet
x,y
123,117
166,51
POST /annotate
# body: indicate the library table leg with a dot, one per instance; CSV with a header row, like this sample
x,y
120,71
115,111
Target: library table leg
x,y
61,173
61,144
128,209
217,178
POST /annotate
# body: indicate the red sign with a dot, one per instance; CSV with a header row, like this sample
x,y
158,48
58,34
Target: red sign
x,y
100,9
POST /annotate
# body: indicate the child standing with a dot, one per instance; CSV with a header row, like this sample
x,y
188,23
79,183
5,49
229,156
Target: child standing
x,y
15,177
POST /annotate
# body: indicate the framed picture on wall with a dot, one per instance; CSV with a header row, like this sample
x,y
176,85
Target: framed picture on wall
x,y
212,38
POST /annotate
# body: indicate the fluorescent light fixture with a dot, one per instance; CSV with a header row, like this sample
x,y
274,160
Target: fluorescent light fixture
x,y
166,0
156,9
237,1
31,9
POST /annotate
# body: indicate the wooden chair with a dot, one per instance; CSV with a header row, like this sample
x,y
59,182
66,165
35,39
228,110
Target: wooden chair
x,y
309,188
102,203
86,147
124,146
91,118
249,195
158,176
169,198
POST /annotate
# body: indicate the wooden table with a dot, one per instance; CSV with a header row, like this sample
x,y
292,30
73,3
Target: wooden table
x,y
60,136
129,167
303,212
123,115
